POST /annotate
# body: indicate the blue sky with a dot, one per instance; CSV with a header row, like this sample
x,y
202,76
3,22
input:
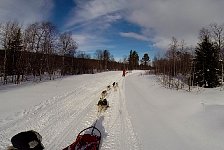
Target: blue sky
x,y
103,34
119,26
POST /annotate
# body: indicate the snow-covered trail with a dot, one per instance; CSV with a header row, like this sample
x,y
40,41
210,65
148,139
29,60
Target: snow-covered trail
x,y
118,127
69,107
172,120
142,113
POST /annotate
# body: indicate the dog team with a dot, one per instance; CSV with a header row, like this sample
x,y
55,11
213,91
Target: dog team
x,y
103,103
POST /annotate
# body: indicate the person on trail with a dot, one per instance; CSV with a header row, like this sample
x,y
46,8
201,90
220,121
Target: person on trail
x,y
28,140
123,73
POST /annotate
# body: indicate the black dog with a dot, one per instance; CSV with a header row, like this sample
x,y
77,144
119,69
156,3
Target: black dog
x,y
103,104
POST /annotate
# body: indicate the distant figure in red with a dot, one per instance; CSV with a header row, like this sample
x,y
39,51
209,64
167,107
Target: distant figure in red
x,y
123,73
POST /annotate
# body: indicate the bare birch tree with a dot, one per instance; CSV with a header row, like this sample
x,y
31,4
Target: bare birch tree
x,y
67,46
11,42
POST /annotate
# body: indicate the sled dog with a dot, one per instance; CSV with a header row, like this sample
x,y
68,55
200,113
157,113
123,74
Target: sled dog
x,y
103,94
115,85
108,88
103,104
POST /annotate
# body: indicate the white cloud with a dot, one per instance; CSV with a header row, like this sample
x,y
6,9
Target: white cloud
x,y
87,10
135,36
25,11
166,18
180,18
90,43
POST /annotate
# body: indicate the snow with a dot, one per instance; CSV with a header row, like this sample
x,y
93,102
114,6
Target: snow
x,y
173,120
142,113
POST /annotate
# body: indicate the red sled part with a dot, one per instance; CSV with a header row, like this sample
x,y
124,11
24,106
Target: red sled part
x,y
86,141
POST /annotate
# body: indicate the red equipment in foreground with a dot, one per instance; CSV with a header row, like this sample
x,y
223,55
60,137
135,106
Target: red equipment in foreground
x,y
86,140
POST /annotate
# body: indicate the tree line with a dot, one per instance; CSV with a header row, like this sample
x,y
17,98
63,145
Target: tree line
x,y
134,62
40,50
201,65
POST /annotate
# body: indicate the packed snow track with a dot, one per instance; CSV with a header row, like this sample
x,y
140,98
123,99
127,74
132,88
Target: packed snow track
x,y
69,107
143,115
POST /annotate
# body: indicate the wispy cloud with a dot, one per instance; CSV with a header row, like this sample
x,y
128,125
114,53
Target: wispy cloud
x,y
87,10
90,19
25,11
158,20
135,36
180,18
90,43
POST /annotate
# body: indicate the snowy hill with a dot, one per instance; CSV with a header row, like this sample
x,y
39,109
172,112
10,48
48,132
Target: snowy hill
x,y
142,114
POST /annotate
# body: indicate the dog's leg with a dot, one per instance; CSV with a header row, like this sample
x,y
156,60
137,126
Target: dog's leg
x,y
104,108
100,109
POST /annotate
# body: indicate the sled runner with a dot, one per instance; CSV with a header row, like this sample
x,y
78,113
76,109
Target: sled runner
x,y
87,139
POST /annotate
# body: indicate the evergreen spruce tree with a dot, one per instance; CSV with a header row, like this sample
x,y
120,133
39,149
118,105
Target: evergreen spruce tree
x,y
206,64
133,60
145,59
130,60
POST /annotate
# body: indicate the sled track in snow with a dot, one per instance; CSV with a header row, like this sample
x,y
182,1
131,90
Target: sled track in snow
x,y
75,119
117,123
85,116
37,118
114,127
72,124
59,119
54,117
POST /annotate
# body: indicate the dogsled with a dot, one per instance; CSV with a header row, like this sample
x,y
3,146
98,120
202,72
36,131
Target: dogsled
x,y
87,139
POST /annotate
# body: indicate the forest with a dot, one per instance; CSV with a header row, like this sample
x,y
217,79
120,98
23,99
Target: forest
x,y
200,65
38,51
